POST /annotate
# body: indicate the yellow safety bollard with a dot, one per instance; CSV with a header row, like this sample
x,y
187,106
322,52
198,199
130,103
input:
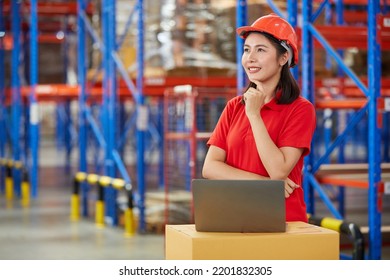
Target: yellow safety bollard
x,y
130,227
99,214
25,189
75,198
75,207
9,183
129,223
104,181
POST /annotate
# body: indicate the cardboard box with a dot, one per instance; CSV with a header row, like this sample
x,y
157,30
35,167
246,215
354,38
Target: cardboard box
x,y
301,241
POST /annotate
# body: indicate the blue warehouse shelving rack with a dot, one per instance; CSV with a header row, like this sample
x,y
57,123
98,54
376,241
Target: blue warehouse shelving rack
x,y
107,134
13,100
143,86
86,93
115,87
23,156
369,37
22,32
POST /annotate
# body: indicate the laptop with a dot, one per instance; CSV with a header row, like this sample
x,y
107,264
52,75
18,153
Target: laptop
x,y
239,205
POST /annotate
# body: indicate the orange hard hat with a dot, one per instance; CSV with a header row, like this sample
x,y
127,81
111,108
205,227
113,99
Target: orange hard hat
x,y
278,28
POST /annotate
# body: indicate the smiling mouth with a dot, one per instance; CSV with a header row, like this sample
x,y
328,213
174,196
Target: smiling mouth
x,y
254,69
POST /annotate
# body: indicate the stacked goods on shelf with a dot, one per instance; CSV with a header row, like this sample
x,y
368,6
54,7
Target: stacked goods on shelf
x,y
181,38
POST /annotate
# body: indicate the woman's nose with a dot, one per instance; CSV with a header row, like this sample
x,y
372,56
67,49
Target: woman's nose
x,y
251,57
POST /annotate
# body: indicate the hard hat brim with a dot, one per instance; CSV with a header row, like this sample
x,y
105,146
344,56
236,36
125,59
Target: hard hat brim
x,y
244,30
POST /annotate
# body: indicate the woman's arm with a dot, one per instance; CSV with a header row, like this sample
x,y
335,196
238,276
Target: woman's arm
x,y
215,167
277,161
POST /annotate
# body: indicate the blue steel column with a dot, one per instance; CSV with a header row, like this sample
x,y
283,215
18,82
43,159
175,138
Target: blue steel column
x,y
81,73
67,135
385,136
307,92
3,134
160,128
341,154
64,120
292,17
16,94
374,138
241,20
34,113
140,131
108,106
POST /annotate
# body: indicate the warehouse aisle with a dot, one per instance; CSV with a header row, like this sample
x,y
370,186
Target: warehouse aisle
x,y
44,230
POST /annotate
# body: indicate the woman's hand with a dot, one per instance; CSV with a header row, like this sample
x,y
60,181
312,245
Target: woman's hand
x,y
289,187
254,99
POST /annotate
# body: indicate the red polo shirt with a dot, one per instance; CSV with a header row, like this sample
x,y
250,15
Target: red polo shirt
x,y
289,125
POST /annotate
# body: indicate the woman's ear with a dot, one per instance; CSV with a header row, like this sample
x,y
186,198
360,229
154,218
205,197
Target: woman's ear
x,y
283,59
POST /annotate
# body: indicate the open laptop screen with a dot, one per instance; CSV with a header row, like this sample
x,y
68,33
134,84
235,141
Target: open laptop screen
x,y
239,205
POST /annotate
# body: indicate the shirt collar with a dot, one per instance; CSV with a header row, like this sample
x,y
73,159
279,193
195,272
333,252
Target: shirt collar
x,y
273,105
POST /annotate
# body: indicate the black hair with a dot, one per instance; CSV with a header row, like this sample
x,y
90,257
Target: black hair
x,y
287,83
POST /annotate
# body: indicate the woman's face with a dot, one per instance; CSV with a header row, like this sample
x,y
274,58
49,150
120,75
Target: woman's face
x,y
260,59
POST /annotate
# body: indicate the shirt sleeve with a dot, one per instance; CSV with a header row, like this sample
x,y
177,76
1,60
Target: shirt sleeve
x,y
299,127
221,130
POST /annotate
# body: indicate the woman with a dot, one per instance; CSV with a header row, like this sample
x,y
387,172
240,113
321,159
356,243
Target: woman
x,y
266,132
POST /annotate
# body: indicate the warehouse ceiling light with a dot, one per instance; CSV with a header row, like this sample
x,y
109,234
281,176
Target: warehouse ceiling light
x,y
60,35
